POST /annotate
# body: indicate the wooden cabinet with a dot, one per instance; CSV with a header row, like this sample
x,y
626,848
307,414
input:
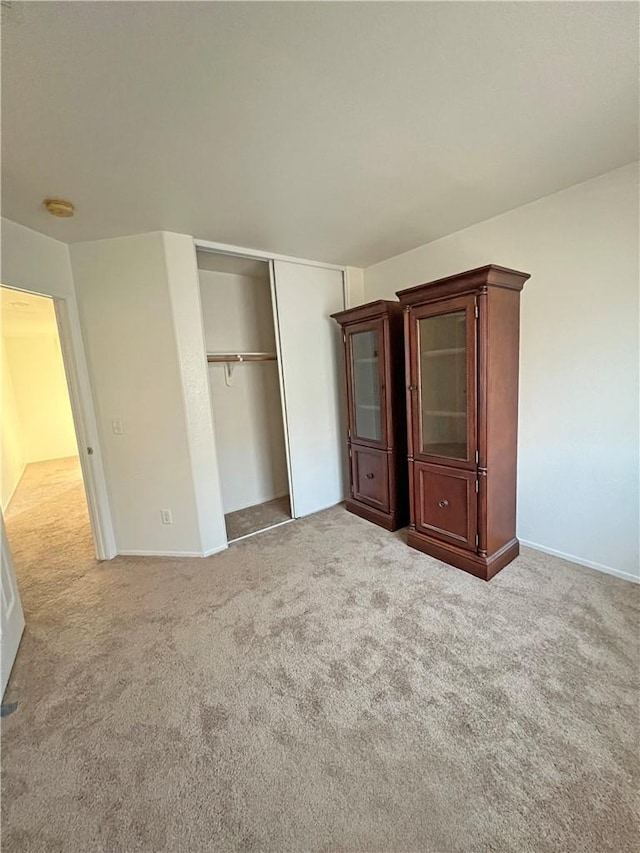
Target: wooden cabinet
x,y
461,344
376,412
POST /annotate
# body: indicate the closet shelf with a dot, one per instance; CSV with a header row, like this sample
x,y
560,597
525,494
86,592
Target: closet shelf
x,y
237,357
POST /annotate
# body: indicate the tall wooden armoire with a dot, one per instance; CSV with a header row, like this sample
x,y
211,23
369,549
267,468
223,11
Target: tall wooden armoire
x,y
461,345
376,420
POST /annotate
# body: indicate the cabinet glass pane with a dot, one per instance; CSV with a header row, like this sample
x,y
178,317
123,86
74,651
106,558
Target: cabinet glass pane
x,y
443,384
366,385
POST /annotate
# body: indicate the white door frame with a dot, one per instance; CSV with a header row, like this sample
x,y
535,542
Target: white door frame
x,y
257,255
88,448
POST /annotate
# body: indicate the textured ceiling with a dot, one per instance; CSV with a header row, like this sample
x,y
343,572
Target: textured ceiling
x,y
342,132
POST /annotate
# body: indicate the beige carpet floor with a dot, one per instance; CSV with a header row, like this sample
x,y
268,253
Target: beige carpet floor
x,y
318,687
258,517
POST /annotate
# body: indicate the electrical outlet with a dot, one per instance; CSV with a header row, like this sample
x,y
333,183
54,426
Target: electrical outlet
x,y
116,426
165,515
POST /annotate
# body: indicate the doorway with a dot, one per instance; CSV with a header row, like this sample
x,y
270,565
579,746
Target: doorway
x,y
44,504
42,477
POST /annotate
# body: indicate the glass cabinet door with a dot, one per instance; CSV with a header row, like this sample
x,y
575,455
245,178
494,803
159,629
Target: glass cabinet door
x,y
446,381
366,407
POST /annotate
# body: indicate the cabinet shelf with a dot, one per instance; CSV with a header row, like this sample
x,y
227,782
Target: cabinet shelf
x,y
434,353
444,414
369,406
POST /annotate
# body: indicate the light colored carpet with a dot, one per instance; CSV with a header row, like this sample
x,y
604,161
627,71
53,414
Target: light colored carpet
x,y
258,517
320,687
48,527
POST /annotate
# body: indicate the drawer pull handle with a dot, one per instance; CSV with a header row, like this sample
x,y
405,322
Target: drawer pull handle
x,y
369,476
443,503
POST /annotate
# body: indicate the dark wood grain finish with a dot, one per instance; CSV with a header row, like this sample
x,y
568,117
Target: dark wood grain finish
x,y
475,530
368,311
472,281
465,559
370,476
446,503
503,345
378,466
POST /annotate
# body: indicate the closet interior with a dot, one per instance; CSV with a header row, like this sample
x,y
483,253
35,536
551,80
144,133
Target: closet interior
x,y
245,392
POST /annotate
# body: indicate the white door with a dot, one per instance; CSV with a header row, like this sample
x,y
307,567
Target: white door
x,y
310,352
12,621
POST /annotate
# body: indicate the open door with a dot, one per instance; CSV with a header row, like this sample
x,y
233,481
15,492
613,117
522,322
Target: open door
x,y
310,348
12,621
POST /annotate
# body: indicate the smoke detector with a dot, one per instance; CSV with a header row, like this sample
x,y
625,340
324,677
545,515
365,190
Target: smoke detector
x,y
59,207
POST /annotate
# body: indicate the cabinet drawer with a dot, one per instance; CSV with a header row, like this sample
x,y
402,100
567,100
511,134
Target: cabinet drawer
x,y
446,504
370,476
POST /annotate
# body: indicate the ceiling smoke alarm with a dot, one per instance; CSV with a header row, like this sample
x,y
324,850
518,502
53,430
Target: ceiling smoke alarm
x,y
59,207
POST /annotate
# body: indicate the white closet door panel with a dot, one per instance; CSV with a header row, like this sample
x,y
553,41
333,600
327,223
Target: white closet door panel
x,y
312,375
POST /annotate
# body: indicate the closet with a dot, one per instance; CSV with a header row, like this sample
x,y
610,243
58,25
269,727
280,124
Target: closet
x,y
274,366
244,383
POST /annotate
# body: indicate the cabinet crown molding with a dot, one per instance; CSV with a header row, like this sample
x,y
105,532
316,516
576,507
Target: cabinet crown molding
x,y
369,311
470,281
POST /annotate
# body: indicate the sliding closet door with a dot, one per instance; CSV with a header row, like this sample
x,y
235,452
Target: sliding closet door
x,y
312,378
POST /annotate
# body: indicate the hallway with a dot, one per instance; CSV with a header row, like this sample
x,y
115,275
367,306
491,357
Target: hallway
x,y
49,534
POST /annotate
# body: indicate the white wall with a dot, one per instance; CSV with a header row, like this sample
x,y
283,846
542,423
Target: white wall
x,y
249,430
184,291
578,424
354,281
126,314
33,262
140,311
12,452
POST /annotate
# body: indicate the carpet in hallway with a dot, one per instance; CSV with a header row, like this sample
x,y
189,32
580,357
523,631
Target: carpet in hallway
x,y
322,687
48,530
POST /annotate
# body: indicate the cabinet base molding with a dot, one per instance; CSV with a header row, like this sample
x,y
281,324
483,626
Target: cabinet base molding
x,y
388,520
482,567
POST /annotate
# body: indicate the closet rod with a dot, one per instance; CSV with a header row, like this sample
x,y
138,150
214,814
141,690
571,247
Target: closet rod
x,y
221,357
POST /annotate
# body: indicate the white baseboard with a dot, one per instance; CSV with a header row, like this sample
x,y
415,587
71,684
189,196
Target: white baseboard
x,y
159,553
13,490
589,564
173,553
213,551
